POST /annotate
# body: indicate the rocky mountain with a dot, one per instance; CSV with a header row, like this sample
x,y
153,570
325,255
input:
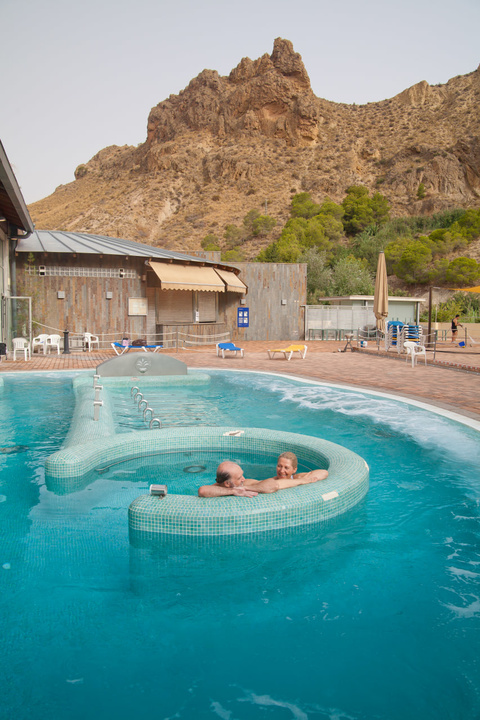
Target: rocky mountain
x,y
226,145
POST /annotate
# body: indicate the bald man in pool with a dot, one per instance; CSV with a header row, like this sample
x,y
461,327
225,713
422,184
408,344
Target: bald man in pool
x,y
230,479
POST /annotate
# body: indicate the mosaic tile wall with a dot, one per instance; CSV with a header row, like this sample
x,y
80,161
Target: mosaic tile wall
x,y
91,443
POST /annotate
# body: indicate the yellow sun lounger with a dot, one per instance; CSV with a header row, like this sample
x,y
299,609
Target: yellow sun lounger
x,y
288,352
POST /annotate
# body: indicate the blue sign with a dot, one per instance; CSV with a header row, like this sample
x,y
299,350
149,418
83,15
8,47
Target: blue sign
x,y
243,314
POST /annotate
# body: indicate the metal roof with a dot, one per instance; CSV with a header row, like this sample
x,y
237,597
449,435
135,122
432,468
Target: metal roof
x,y
46,241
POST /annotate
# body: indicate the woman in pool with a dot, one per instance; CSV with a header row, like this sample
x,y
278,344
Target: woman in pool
x,y
230,479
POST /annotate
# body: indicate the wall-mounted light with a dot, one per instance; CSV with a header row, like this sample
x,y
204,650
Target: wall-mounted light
x,y
61,294
109,294
284,302
243,301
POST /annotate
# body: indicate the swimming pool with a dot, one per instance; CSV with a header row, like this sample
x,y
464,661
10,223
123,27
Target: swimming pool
x,y
375,615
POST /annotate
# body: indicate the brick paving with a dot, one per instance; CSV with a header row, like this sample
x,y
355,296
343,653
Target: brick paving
x,y
453,382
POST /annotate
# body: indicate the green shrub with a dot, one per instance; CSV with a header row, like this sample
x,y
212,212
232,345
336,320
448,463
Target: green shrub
x,y
421,191
463,271
361,210
210,242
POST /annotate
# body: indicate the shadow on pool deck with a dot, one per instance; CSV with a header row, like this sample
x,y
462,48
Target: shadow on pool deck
x,y
453,382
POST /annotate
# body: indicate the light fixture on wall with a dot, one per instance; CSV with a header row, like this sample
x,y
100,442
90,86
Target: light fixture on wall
x,y
284,302
109,294
61,294
243,301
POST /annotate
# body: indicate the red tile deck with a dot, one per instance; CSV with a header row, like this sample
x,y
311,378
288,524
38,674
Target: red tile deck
x,y
453,382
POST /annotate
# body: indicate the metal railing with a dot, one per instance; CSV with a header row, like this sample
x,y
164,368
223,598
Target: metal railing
x,y
171,340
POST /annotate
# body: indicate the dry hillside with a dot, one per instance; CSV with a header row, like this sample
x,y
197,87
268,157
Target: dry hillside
x,y
225,145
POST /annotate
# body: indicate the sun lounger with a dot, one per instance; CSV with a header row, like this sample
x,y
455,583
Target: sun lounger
x,y
229,347
288,351
120,348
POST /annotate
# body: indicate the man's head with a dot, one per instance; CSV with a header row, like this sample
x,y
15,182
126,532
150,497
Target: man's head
x,y
229,474
287,464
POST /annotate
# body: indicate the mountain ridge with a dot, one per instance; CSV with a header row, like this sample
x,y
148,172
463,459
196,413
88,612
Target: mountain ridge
x,y
250,140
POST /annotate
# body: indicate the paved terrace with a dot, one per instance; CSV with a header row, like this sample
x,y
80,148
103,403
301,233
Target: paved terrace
x,y
452,382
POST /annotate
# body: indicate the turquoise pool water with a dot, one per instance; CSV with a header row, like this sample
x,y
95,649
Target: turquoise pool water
x,y
185,471
374,616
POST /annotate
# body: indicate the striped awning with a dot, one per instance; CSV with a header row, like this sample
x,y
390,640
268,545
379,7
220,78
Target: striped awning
x,y
173,276
232,281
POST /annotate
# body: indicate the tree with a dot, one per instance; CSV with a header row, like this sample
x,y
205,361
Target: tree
x,y
413,262
319,275
366,245
421,191
262,225
469,224
303,206
331,209
361,210
233,255
380,208
463,271
257,225
249,220
210,242
233,236
393,253
351,276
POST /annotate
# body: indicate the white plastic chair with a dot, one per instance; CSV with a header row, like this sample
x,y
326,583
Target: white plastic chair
x,y
414,350
90,340
21,345
41,342
53,341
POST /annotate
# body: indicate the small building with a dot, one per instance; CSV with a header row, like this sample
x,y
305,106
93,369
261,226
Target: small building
x,y
114,288
351,312
15,221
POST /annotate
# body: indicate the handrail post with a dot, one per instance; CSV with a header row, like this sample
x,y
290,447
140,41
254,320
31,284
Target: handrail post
x,y
97,404
66,346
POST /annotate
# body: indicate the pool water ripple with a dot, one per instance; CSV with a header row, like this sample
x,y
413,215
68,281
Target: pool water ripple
x,y
374,616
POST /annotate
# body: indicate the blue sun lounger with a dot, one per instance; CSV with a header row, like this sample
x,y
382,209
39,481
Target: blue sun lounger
x,y
120,348
230,347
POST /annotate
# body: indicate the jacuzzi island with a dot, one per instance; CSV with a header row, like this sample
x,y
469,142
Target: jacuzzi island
x,y
178,514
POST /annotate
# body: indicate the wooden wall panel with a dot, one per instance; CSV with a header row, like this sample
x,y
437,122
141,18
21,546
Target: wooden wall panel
x,y
268,285
86,307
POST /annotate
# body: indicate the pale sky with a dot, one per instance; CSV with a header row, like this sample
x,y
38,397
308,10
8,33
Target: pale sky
x,y
79,75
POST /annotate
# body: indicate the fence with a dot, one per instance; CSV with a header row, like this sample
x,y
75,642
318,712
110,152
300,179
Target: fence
x,y
173,340
328,322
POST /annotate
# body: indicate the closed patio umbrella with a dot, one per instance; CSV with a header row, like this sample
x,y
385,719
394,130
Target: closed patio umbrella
x,y
380,299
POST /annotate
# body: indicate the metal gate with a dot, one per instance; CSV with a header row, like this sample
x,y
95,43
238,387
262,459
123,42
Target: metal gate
x,y
16,318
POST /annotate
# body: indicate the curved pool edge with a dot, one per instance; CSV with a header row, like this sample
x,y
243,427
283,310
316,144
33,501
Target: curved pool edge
x,y
437,409
188,515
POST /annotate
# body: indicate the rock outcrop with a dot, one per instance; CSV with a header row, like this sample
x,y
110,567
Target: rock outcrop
x,y
225,145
